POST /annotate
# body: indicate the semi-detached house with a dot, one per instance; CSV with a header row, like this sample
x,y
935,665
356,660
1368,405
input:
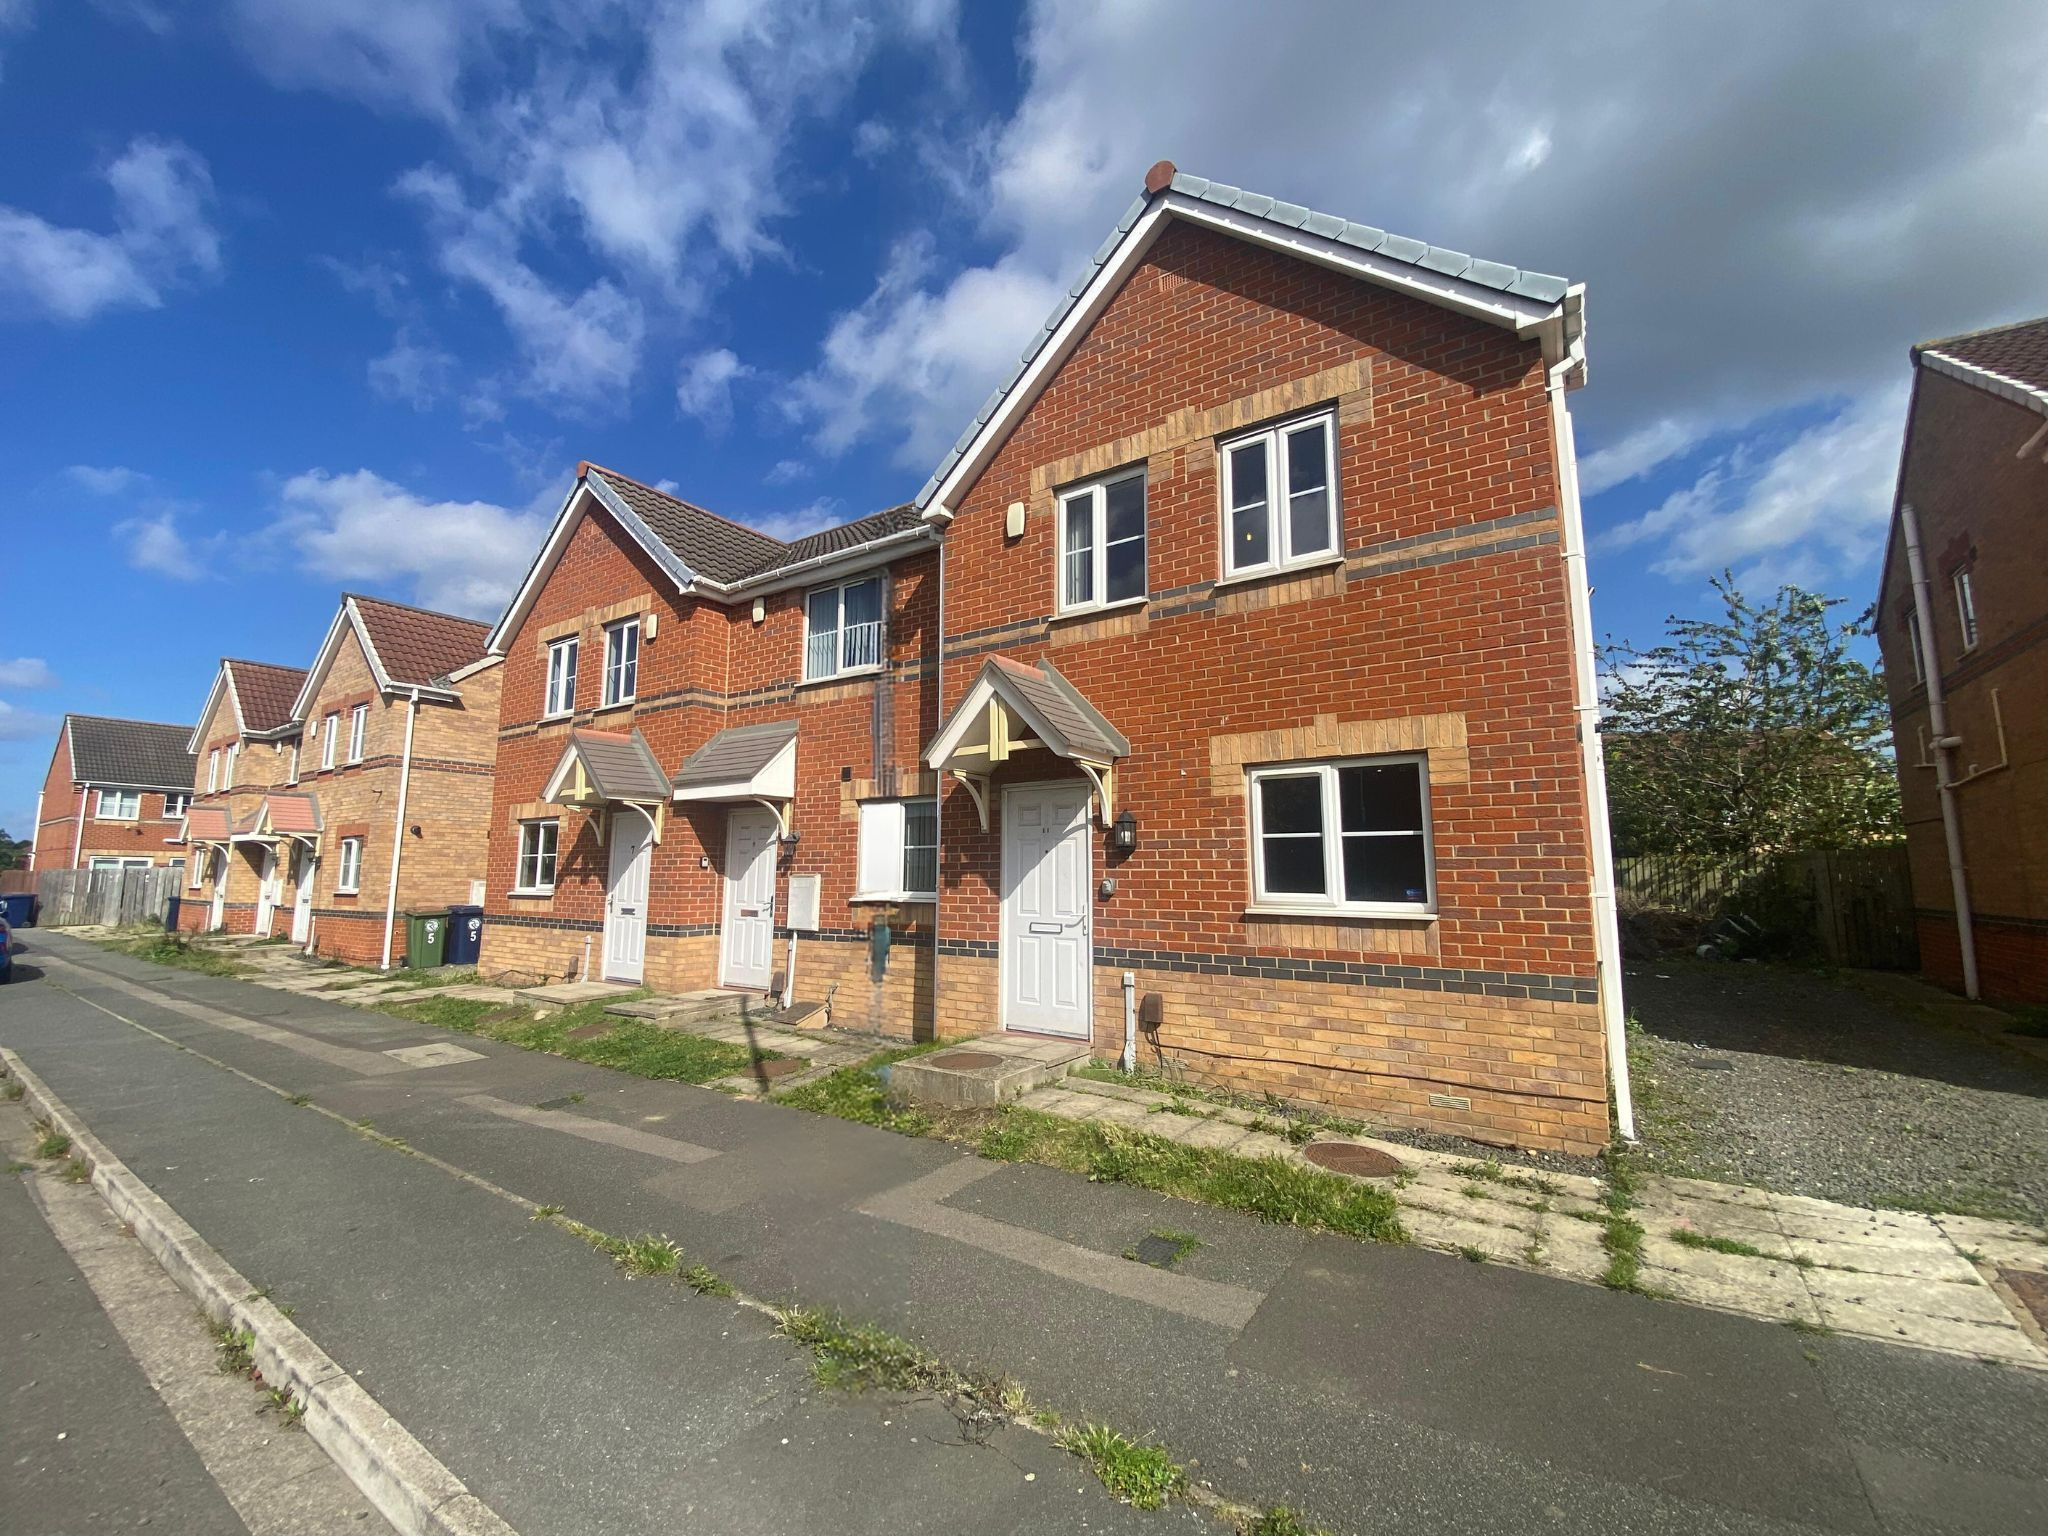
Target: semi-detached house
x,y
242,748
113,795
1228,690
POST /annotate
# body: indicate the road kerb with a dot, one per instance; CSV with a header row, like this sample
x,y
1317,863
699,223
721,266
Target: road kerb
x,y
408,1483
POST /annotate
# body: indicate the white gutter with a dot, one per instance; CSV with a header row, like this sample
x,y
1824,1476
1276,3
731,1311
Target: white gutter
x,y
1944,746
412,712
78,837
1606,921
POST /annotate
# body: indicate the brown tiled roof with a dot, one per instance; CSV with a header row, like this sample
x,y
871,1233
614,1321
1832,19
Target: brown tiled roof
x,y
726,551
206,823
293,810
418,646
266,692
2017,352
131,754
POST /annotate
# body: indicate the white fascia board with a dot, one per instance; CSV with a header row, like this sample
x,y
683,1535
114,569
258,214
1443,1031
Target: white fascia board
x,y
968,714
2002,385
553,786
213,694
644,536
71,764
482,664
323,659
538,573
378,675
840,563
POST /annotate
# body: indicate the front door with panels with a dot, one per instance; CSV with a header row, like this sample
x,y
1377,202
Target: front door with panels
x,y
266,892
219,912
302,900
1047,950
748,949
625,902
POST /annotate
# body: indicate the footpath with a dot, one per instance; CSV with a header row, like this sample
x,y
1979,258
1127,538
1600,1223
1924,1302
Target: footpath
x,y
1377,1387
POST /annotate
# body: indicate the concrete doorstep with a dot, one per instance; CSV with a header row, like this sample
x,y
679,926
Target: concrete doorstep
x,y
407,1484
1932,1282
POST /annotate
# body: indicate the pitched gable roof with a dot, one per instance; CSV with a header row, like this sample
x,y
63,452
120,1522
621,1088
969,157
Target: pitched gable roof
x,y
263,693
1532,303
417,645
131,754
2010,361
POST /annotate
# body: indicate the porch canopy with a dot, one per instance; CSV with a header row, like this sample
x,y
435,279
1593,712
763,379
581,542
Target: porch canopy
x,y
207,824
745,763
281,816
1015,708
599,769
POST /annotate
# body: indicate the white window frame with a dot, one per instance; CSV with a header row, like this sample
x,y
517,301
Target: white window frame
x,y
540,846
227,773
130,798
621,671
116,861
195,872
330,727
1333,835
1095,495
213,770
561,677
882,859
176,804
814,672
348,868
358,731
1280,554
1966,607
294,778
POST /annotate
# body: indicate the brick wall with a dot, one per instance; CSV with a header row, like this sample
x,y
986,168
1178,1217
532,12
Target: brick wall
x,y
1980,508
57,836
1444,630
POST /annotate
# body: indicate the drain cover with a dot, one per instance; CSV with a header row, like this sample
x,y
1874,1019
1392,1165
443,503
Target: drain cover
x,y
780,1067
1159,1252
2031,1286
1711,1064
966,1061
562,1103
1349,1157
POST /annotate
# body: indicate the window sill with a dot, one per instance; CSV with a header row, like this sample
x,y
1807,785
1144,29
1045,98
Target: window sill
x,y
554,716
1329,914
604,709
1271,572
1099,609
850,675
535,892
353,890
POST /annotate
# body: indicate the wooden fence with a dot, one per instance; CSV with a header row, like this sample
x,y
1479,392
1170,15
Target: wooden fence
x,y
72,898
1853,906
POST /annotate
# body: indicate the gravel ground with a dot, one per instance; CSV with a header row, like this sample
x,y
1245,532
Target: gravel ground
x,y
1797,1081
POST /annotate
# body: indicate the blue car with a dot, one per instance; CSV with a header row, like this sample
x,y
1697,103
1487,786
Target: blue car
x,y
6,951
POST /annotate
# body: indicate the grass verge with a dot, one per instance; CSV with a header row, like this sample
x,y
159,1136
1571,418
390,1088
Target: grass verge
x,y
861,1093
1297,1122
1139,1474
629,1045
174,949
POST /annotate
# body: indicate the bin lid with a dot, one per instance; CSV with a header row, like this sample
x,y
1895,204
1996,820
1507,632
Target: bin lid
x,y
465,909
429,912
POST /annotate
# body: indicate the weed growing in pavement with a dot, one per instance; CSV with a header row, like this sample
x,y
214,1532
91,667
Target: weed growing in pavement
x,y
77,1171
236,1349
1266,1187
1685,1237
1137,1473
1622,1234
858,1093
630,1045
649,1254
1472,1255
706,1281
858,1356
50,1142
1297,1122
20,1167
1282,1521
299,1100
1813,1330
12,1090
290,1410
545,1212
1489,1170
174,949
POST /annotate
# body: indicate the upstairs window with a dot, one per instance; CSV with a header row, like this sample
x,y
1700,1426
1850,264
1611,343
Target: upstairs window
x,y
176,805
1966,608
843,629
329,729
1343,837
1102,542
561,698
213,770
538,841
227,776
1280,496
348,879
120,805
358,728
294,778
622,662
899,851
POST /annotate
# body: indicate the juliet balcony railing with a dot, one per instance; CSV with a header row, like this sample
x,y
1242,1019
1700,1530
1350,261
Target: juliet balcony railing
x,y
853,648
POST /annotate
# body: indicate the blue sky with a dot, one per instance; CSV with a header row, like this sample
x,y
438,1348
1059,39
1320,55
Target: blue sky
x,y
298,295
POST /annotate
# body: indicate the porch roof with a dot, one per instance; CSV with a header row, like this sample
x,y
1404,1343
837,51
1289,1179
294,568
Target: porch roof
x,y
607,766
280,816
206,824
743,762
1013,708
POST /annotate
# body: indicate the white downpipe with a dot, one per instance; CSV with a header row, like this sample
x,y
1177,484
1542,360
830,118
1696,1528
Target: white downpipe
x,y
35,832
789,973
1130,1061
1944,747
1606,921
78,834
412,712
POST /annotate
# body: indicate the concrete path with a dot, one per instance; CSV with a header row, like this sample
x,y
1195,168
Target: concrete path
x,y
1383,1389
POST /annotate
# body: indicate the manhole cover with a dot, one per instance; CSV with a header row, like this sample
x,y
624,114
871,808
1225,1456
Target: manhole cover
x,y
1711,1064
780,1067
2031,1286
966,1061
563,1102
1349,1157
1159,1252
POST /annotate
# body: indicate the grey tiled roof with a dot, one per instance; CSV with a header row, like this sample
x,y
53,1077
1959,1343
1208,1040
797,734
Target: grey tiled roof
x,y
620,767
728,552
1540,286
736,754
131,754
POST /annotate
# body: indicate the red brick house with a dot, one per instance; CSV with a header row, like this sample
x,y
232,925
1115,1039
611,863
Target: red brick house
x,y
244,746
114,796
1231,677
1963,624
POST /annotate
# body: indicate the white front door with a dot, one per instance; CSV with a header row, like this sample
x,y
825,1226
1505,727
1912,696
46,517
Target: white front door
x,y
302,901
219,913
625,901
749,948
1047,950
266,893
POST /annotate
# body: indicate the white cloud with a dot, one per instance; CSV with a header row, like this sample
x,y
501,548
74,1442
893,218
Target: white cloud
x,y
414,370
704,387
1637,454
106,480
798,521
26,672
163,235
25,724
404,55
1814,508
787,472
457,556
155,543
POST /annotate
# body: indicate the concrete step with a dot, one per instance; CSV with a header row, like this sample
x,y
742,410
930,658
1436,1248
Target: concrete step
x,y
567,994
985,1072
685,1008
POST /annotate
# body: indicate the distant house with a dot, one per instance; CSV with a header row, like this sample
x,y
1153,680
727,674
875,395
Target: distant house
x,y
1963,624
114,796
1239,647
244,745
